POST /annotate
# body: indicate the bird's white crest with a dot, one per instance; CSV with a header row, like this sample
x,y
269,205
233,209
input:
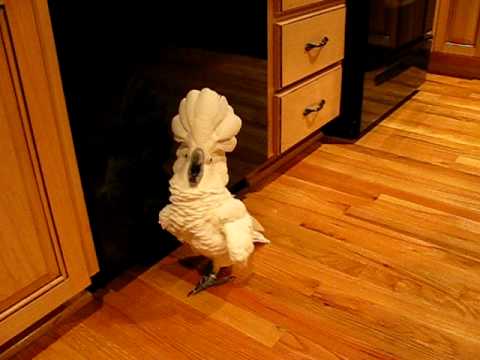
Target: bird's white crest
x,y
206,120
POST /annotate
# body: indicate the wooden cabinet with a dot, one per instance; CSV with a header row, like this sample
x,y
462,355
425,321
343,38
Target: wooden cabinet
x,y
456,47
47,254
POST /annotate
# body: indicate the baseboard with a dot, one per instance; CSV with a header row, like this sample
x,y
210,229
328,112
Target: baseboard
x,y
455,65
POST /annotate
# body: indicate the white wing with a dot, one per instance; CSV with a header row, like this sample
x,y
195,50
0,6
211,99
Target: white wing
x,y
239,238
237,227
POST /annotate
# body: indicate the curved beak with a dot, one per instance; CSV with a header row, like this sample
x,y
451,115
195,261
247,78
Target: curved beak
x,y
195,169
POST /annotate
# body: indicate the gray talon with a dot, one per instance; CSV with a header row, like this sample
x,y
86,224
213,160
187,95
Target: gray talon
x,y
209,281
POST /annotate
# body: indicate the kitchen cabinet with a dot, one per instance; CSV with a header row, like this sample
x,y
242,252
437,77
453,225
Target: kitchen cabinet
x,y
307,42
456,47
47,254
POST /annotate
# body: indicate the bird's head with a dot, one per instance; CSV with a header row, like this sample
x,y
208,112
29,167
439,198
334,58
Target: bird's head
x,y
205,127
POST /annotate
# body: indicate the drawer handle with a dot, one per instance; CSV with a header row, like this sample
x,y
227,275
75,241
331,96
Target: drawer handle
x,y
312,45
315,108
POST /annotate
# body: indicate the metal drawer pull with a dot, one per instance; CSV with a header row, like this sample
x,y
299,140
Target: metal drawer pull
x,y
315,108
312,45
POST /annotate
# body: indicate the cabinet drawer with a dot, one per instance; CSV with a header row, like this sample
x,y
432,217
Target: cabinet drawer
x,y
310,43
309,106
286,5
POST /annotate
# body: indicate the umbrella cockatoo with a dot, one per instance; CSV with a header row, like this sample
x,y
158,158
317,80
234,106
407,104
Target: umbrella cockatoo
x,y
202,212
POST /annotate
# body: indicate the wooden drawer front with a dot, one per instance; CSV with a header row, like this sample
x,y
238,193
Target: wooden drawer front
x,y
297,62
286,5
296,125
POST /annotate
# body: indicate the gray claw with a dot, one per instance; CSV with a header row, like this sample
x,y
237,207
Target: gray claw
x,y
209,281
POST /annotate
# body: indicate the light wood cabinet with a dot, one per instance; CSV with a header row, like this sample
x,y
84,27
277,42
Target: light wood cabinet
x,y
47,254
306,50
456,47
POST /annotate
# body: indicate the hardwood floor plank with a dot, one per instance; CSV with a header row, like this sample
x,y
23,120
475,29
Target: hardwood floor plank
x,y
300,348
400,144
359,249
194,333
460,237
449,100
449,82
245,322
48,348
415,171
374,255
344,321
453,146
362,176
260,295
470,161
117,335
432,125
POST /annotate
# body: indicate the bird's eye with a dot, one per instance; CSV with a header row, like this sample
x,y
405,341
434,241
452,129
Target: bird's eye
x,y
185,156
210,160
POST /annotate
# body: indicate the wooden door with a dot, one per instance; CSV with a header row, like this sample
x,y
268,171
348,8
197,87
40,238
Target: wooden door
x,y
42,257
457,27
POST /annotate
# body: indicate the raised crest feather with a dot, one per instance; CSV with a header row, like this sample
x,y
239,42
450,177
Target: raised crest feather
x,y
205,119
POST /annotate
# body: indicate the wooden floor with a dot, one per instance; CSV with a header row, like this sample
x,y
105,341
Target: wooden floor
x,y
375,254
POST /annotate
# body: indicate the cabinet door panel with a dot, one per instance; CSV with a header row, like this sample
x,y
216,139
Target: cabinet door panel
x,y
463,22
30,257
41,258
458,26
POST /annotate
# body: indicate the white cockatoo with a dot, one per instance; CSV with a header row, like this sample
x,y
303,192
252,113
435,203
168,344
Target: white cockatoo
x,y
202,212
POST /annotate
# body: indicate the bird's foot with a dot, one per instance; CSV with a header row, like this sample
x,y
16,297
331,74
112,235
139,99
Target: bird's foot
x,y
192,262
208,281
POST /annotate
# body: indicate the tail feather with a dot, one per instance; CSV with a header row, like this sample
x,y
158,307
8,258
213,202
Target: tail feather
x,y
258,237
258,231
256,225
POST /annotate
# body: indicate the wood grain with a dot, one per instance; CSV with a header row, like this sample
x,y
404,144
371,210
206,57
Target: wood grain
x,y
374,255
